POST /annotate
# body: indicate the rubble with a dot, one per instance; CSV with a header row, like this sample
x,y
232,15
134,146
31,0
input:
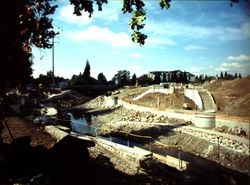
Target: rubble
x,y
238,131
215,139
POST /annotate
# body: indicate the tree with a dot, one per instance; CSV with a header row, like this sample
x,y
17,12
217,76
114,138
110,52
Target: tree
x,y
240,75
206,77
235,75
86,73
225,75
133,79
145,80
102,78
121,78
200,78
23,24
221,75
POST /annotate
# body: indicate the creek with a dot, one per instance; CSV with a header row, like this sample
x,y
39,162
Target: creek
x,y
204,166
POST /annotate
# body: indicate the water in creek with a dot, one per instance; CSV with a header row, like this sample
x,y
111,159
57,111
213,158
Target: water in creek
x,y
81,125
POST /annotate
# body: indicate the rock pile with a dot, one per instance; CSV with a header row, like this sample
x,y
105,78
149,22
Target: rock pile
x,y
239,131
213,138
130,115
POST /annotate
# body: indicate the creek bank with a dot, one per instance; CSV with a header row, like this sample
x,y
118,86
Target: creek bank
x,y
196,143
166,136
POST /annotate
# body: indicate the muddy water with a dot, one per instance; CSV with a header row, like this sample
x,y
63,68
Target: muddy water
x,y
200,166
81,125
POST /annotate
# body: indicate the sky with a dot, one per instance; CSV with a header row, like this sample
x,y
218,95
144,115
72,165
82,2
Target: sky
x,y
201,37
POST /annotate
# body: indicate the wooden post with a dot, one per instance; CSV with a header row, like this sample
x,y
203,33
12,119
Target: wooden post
x,y
158,102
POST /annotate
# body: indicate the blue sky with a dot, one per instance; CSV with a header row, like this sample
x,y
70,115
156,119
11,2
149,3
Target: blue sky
x,y
202,37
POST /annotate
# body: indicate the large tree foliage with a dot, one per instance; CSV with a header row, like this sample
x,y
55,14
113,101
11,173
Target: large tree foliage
x,y
145,80
122,78
23,23
101,78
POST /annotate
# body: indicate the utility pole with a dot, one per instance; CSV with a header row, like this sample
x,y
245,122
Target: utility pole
x,y
53,60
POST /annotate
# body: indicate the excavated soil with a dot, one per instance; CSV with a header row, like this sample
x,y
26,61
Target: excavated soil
x,y
231,96
15,127
163,101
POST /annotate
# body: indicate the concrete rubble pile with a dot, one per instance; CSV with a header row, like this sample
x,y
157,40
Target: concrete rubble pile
x,y
213,138
239,131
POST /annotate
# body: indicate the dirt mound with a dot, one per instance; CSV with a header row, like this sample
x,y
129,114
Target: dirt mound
x,y
214,85
241,84
232,96
161,100
239,107
18,127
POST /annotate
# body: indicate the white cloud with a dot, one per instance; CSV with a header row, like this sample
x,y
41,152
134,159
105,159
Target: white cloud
x,y
66,15
231,67
108,15
136,55
138,70
160,41
95,33
182,29
236,64
209,70
193,47
195,70
239,58
233,33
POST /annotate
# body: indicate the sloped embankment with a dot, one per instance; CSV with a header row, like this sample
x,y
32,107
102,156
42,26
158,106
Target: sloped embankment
x,y
232,96
160,100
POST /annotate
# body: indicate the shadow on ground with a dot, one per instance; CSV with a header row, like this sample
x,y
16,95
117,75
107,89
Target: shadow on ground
x,y
67,162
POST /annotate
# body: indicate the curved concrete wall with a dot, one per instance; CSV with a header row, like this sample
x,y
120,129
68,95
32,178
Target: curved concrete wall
x,y
194,95
165,91
204,120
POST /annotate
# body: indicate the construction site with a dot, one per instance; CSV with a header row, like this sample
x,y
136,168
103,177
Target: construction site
x,y
182,134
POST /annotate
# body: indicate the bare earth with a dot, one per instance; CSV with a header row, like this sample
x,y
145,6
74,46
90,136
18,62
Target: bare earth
x,y
232,98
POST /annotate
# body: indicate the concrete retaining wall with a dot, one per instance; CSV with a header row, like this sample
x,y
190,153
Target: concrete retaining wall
x,y
134,155
165,91
194,95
